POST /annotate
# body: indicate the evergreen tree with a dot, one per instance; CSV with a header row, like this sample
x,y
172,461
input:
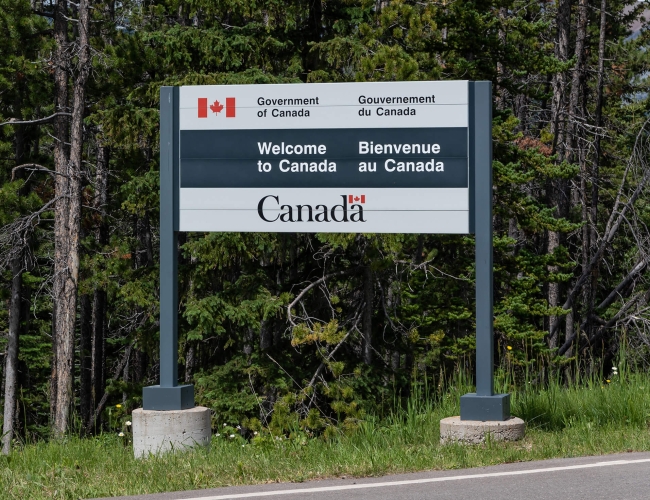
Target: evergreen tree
x,y
301,329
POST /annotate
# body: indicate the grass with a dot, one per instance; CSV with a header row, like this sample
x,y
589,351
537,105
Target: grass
x,y
593,419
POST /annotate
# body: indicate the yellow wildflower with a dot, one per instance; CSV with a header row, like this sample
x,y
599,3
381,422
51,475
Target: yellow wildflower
x,y
509,348
118,406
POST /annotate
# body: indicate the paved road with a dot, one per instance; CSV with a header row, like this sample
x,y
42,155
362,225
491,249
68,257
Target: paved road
x,y
611,477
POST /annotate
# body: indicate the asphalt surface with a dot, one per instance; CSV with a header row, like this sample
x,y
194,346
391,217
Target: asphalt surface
x,y
611,477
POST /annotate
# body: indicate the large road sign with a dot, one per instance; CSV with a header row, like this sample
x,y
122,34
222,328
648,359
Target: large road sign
x,y
384,157
348,157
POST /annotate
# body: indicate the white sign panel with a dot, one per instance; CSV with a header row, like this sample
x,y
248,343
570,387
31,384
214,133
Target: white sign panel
x,y
351,157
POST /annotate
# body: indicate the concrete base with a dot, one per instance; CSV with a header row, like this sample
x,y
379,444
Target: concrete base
x,y
158,432
455,430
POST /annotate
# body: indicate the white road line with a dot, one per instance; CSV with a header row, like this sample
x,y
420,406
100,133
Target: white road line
x,y
417,481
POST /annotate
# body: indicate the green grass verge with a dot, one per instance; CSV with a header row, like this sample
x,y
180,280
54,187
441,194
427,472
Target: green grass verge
x,y
561,423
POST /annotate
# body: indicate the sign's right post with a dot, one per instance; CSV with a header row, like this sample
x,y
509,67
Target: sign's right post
x,y
483,405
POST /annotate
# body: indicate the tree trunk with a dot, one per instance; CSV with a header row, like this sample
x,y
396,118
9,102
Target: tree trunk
x,y
563,22
67,225
140,366
98,342
85,361
11,363
248,341
189,361
99,296
578,77
60,152
599,118
266,336
15,310
559,188
102,401
394,361
126,377
315,30
554,241
595,170
144,250
367,315
500,92
573,138
521,110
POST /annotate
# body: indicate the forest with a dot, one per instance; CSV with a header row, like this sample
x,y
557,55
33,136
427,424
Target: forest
x,y
312,330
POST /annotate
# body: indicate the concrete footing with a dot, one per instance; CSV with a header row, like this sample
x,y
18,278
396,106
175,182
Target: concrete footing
x,y
158,432
455,430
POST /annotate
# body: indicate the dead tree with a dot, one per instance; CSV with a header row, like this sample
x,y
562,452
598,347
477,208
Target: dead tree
x,y
11,363
98,341
632,187
67,218
558,189
15,260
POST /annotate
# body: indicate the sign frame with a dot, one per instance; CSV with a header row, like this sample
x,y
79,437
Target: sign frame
x,y
483,405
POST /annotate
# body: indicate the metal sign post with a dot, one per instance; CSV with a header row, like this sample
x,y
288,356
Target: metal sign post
x,y
484,404
168,395
385,157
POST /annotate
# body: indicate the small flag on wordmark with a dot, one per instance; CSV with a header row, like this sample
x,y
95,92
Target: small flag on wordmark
x,y
356,199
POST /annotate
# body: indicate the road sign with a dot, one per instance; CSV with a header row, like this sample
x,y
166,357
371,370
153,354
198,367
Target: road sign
x,y
384,157
347,157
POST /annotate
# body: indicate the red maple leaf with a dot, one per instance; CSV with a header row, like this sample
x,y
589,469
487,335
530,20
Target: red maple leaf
x,y
216,107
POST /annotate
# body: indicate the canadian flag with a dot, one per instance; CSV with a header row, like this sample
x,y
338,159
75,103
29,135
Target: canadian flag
x,y
216,107
356,198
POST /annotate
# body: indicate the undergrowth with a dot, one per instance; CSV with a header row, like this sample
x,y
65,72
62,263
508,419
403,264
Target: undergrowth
x,y
592,417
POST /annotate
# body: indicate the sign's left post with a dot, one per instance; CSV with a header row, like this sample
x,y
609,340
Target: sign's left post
x,y
169,395
168,419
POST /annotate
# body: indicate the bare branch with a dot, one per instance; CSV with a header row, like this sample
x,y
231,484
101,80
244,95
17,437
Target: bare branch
x,y
623,284
71,19
312,285
641,298
35,167
14,236
383,305
616,219
603,328
38,121
285,371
